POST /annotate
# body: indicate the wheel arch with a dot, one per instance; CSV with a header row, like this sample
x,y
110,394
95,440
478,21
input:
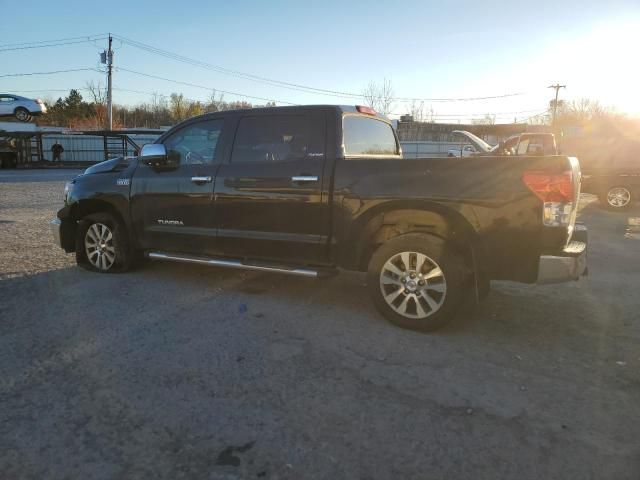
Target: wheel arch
x,y
391,219
81,208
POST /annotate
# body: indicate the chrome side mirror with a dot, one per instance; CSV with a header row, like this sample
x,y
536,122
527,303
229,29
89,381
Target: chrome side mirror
x,y
154,154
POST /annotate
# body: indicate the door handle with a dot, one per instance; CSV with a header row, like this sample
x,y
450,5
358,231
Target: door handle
x,y
200,179
304,178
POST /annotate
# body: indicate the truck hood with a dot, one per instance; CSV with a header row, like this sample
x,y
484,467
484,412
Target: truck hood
x,y
477,142
108,165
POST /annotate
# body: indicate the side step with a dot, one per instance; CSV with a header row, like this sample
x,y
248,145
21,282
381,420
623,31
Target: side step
x,y
215,262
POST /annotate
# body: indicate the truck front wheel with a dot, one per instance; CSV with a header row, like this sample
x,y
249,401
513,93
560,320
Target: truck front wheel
x,y
102,244
416,281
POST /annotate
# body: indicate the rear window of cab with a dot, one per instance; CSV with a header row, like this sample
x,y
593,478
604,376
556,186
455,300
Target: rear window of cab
x,y
368,137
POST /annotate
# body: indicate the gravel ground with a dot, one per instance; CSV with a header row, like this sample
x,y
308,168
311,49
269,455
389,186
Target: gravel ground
x,y
178,371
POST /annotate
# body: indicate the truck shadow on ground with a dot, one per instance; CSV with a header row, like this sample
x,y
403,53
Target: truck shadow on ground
x,y
512,312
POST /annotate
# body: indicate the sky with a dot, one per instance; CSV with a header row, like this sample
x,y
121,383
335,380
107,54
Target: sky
x,y
434,50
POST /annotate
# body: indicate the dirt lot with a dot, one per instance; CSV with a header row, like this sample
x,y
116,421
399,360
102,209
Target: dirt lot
x,y
178,371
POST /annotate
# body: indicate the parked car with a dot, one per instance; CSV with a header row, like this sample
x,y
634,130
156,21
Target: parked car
x,y
310,190
526,144
463,151
21,108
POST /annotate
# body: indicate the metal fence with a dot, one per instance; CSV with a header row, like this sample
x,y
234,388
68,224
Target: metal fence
x,y
86,148
428,149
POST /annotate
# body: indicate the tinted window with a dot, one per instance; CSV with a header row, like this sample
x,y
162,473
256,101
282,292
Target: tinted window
x,y
277,138
367,136
195,143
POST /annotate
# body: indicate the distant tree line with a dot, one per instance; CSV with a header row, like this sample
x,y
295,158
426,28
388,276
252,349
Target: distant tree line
x,y
73,111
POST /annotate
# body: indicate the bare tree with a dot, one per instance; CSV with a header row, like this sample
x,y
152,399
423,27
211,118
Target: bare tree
x,y
99,105
486,120
379,96
417,111
215,103
97,92
178,107
583,110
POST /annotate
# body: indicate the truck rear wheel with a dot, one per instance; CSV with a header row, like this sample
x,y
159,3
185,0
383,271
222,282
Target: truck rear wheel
x,y
416,281
102,244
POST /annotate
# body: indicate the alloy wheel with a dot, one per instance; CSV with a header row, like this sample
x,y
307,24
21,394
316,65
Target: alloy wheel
x,y
618,197
22,115
413,285
98,243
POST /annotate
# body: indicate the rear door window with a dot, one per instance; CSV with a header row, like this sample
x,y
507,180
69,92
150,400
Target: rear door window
x,y
277,138
365,136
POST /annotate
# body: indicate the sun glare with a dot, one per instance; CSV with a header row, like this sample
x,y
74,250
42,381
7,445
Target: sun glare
x,y
601,64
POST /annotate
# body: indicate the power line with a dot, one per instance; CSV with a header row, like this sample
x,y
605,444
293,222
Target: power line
x,y
86,37
49,73
48,90
29,47
234,73
290,85
202,86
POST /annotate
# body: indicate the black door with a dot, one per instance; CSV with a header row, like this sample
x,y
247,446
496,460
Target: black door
x,y
271,194
172,205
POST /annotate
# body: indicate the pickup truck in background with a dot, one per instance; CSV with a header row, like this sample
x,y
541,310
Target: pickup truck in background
x,y
610,163
311,190
617,187
523,144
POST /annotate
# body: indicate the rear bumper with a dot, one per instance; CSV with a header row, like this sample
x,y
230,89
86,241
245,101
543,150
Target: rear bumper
x,y
569,264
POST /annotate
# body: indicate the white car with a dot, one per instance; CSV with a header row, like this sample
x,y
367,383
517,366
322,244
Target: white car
x,y
463,151
20,107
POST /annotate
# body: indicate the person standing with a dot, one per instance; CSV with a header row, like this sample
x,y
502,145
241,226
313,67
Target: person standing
x,y
57,150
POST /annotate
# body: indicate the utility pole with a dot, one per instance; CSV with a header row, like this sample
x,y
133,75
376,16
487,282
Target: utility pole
x,y
109,89
557,88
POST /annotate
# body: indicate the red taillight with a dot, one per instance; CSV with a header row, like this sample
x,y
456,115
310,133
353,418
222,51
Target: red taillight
x,y
366,110
550,187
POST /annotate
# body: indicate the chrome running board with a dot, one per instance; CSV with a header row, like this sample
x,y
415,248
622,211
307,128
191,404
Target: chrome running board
x,y
215,262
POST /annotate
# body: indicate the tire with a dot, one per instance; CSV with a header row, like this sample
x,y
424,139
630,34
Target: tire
x,y
102,244
436,290
22,114
618,198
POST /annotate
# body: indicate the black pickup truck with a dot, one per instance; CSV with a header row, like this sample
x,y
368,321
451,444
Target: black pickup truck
x,y
312,190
